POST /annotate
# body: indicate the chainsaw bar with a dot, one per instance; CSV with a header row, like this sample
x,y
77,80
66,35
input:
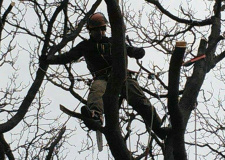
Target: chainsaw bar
x,y
99,140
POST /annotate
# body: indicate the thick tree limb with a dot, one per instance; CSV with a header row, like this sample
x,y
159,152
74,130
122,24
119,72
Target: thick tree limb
x,y
214,37
2,152
178,129
220,57
3,19
6,148
110,98
1,1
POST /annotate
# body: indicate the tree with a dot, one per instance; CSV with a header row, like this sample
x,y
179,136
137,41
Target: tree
x,y
184,24
60,24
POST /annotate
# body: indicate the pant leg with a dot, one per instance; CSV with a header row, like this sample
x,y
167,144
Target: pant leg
x,y
94,101
141,104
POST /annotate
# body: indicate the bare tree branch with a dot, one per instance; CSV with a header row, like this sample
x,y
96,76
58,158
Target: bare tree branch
x,y
54,143
175,18
6,148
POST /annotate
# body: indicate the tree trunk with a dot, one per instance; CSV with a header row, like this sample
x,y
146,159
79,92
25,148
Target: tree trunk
x,y
175,141
111,97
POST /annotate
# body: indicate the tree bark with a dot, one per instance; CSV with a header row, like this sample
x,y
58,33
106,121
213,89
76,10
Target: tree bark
x,y
5,148
115,82
177,136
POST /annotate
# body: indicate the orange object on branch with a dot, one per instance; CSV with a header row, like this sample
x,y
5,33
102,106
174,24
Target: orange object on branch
x,y
190,62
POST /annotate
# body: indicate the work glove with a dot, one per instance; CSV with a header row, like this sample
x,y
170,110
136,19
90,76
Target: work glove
x,y
136,52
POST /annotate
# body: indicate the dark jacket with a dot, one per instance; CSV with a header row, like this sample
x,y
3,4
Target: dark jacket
x,y
98,56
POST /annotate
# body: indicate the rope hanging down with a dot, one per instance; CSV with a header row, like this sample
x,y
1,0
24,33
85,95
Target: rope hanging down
x,y
196,152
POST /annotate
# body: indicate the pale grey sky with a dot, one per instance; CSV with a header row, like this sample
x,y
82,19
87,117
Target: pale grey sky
x,y
57,96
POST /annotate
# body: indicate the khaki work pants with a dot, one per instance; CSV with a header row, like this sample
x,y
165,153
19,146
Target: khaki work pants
x,y
136,98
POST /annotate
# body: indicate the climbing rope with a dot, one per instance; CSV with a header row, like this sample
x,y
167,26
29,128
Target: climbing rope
x,y
196,152
127,98
150,135
164,106
167,116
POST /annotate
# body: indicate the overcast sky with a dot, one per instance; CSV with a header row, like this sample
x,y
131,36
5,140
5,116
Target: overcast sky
x,y
58,96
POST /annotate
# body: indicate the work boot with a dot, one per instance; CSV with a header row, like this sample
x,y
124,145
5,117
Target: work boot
x,y
98,118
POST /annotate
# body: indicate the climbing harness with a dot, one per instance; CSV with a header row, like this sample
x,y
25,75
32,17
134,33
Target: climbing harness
x,y
102,72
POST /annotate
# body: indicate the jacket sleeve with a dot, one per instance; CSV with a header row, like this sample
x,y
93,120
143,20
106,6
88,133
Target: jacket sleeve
x,y
135,52
73,55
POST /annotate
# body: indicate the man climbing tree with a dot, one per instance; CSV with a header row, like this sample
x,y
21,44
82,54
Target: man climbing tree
x,y
97,54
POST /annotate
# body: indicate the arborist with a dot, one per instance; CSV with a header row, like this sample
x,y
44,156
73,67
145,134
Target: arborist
x,y
97,53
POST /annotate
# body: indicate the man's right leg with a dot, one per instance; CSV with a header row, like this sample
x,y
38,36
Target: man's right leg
x,y
94,108
94,101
